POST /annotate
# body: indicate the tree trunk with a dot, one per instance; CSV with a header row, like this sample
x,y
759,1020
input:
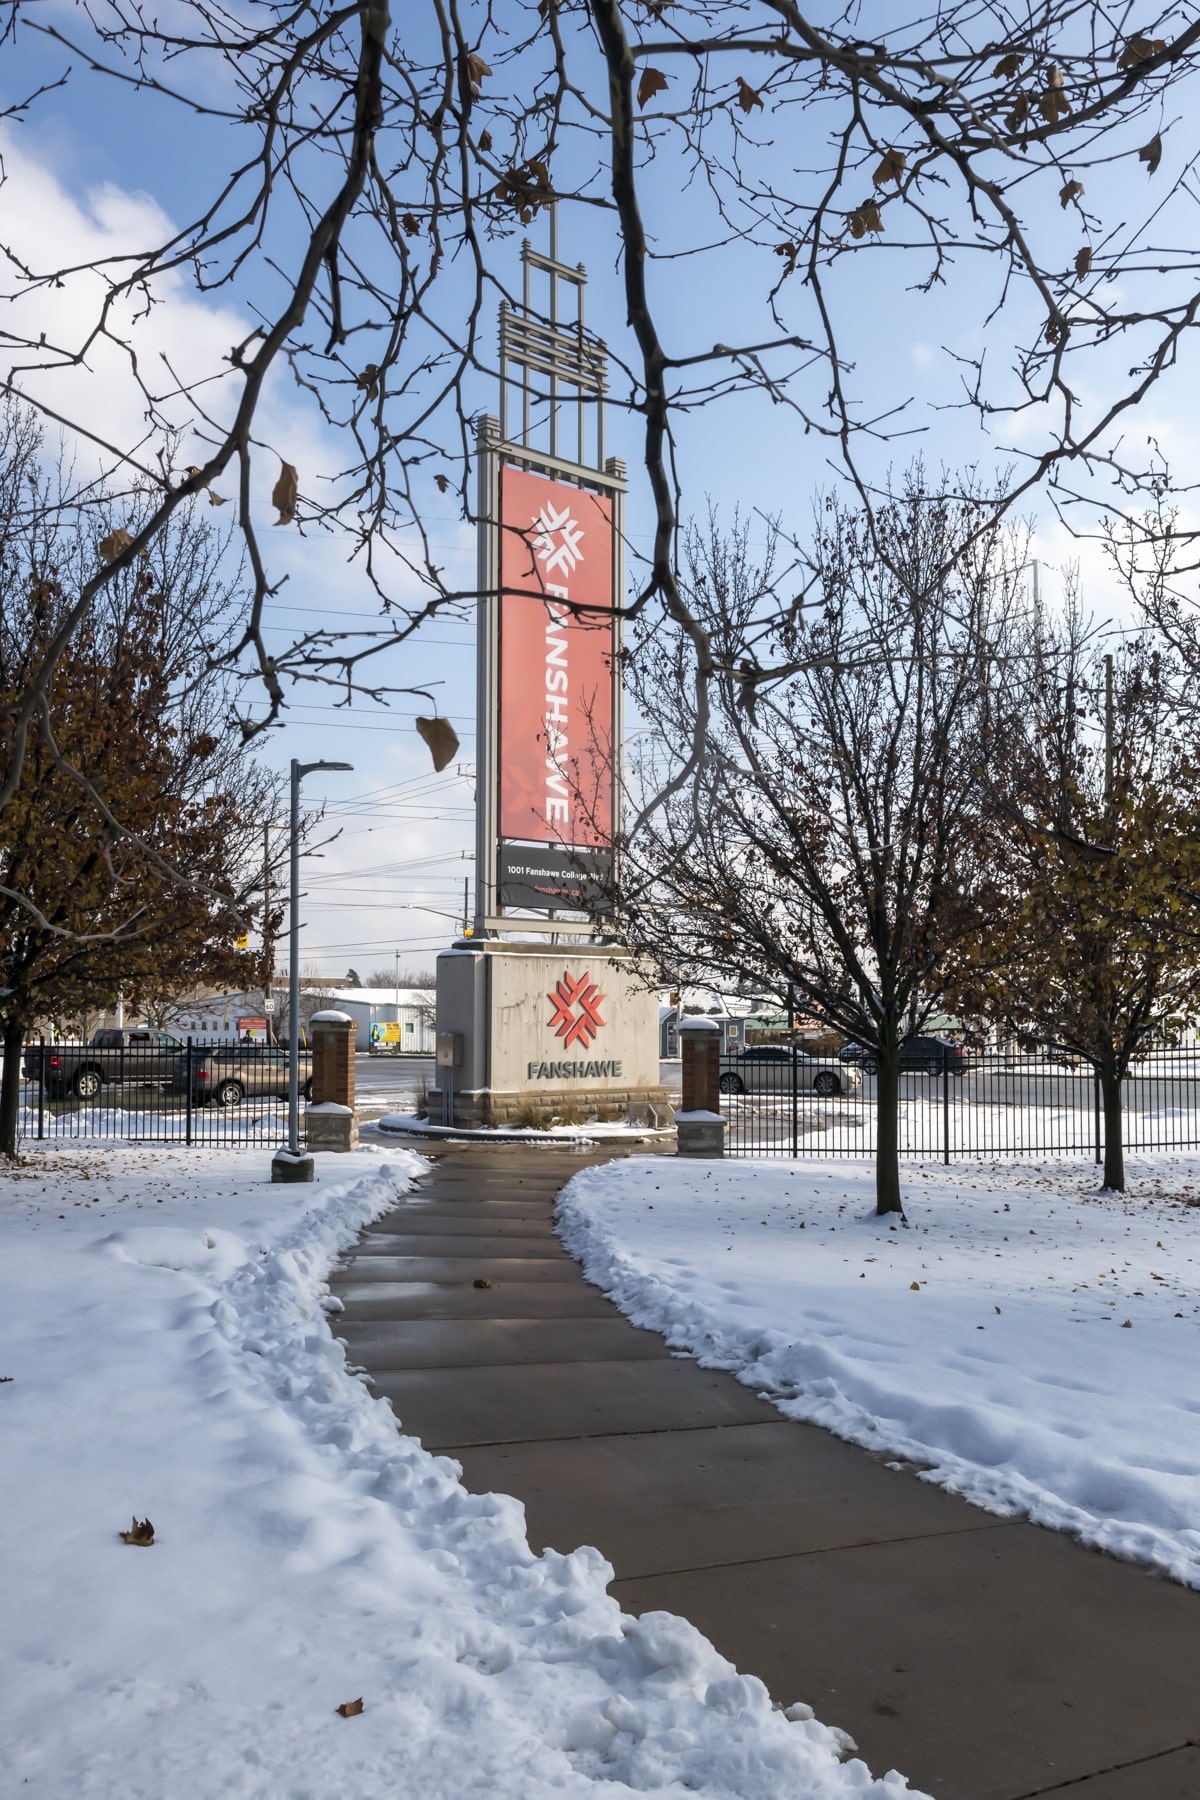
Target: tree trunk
x,y
1114,1144
10,1087
887,1131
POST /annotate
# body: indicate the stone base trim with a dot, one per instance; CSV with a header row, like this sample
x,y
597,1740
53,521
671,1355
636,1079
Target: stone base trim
x,y
700,1137
553,1106
330,1128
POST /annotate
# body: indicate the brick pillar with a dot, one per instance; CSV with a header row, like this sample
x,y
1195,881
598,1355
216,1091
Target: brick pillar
x,y
701,1128
329,1119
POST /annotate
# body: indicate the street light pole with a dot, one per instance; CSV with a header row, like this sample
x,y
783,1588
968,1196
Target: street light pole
x,y
288,1164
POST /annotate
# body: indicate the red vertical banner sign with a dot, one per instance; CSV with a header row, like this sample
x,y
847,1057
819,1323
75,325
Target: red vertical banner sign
x,y
556,676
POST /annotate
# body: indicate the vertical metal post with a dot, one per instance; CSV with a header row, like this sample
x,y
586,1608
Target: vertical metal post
x,y
488,672
294,962
42,1091
268,945
554,327
188,1130
1096,1098
795,1071
946,1106
615,469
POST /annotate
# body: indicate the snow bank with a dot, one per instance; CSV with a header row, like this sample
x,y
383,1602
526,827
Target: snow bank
x,y
162,1326
1028,1343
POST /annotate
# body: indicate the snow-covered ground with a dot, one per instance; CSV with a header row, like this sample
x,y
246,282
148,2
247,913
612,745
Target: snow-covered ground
x,y
165,1354
1028,1342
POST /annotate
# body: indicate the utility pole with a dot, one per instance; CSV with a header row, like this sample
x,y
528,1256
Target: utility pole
x,y
466,915
1108,734
268,974
288,1164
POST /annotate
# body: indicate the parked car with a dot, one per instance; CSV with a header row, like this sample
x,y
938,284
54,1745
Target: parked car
x,y
918,1055
228,1073
137,1055
766,1068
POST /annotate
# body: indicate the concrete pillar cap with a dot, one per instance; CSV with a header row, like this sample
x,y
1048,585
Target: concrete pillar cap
x,y
331,1018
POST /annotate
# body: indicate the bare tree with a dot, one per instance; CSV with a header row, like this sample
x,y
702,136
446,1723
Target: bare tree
x,y
830,841
366,176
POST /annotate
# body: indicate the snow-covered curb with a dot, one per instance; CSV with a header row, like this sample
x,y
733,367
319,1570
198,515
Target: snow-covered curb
x,y
409,1125
984,1344
307,1554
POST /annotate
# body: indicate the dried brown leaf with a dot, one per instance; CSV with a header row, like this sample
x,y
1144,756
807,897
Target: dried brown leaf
x,y
140,1532
1151,153
1083,261
653,82
214,499
485,142
481,1281
110,547
865,218
1138,49
526,188
441,738
477,70
442,482
1009,64
748,97
350,1709
914,1287
892,165
1070,191
368,381
283,494
1019,115
1052,102
411,224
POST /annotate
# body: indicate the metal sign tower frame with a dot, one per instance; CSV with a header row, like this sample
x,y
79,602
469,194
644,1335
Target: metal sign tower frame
x,y
571,368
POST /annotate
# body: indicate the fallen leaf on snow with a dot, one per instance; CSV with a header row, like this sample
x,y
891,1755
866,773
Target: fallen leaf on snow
x,y
350,1709
141,1532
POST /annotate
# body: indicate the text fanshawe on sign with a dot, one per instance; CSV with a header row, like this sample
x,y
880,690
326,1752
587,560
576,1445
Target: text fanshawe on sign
x,y
556,664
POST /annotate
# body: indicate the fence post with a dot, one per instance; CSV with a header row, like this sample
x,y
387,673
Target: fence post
x,y
946,1106
795,1070
188,1133
1096,1098
42,1090
700,1124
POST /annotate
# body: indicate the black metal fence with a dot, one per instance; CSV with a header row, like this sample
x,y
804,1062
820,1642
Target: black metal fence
x,y
158,1091
972,1105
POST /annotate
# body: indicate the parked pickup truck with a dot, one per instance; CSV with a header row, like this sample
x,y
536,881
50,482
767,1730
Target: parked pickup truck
x,y
139,1056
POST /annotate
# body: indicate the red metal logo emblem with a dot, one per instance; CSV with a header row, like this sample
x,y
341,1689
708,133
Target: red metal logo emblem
x,y
571,1026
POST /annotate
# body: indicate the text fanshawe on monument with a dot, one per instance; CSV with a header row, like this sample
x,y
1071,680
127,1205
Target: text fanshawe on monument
x,y
556,677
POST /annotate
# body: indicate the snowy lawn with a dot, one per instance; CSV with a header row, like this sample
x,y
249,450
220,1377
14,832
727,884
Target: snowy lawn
x,y
165,1354
1028,1342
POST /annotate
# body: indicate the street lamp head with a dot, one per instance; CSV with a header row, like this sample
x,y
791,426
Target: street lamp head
x,y
300,769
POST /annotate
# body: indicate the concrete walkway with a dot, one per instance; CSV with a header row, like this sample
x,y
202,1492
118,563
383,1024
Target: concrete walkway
x,y
987,1660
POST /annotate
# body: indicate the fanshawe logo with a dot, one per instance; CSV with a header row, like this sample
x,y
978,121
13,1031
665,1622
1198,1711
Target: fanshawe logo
x,y
575,1027
560,559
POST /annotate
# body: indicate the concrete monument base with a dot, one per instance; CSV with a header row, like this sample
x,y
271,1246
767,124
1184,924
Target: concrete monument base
x,y
530,1034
